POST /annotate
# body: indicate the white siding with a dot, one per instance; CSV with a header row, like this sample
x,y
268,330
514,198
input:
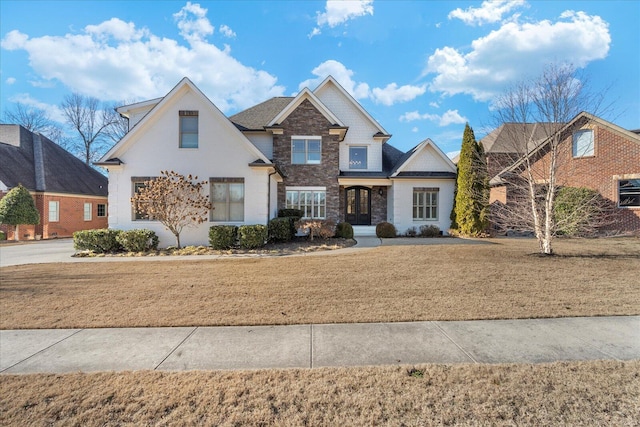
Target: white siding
x,y
427,160
262,141
402,213
361,130
221,152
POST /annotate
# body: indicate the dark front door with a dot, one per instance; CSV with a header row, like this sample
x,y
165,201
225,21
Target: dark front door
x,y
358,206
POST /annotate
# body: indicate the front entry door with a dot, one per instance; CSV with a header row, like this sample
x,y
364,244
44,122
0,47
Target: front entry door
x,y
358,206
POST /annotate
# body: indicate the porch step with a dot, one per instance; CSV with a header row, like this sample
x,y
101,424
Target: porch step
x,y
364,230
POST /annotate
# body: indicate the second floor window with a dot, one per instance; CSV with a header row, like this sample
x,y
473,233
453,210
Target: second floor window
x,y
583,143
357,157
188,129
306,150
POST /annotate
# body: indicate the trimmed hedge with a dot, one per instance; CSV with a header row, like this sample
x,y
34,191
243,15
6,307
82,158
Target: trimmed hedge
x,y
223,236
344,230
99,241
386,230
280,229
411,232
429,231
138,240
252,236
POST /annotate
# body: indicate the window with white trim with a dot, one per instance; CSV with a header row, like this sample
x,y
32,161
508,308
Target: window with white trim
x,y
87,211
583,143
357,157
227,199
188,129
629,193
312,203
306,150
425,203
54,211
101,210
137,184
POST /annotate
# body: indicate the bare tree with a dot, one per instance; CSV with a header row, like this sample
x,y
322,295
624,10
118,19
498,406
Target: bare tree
x,y
31,118
538,113
119,125
92,122
174,200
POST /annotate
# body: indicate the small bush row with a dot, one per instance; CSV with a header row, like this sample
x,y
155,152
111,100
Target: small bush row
x,y
109,240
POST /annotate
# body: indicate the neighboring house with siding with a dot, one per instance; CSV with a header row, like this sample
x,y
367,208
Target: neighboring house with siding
x,y
68,194
319,151
595,154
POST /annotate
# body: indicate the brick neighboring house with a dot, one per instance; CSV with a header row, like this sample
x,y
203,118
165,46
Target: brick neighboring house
x,y
68,194
319,151
593,153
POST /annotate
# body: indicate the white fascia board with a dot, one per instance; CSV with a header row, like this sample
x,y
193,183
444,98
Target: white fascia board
x,y
125,109
295,102
427,142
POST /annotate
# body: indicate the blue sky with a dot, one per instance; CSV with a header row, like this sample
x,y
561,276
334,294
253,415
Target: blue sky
x,y
421,68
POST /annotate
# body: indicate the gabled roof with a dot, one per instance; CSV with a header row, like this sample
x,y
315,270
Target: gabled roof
x,y
398,169
509,137
184,83
562,132
382,133
305,94
259,116
39,164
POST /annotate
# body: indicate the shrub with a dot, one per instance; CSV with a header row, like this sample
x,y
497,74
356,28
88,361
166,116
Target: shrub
x,y
411,232
429,231
99,241
222,236
3,236
138,240
252,236
280,229
386,230
317,228
297,213
344,230
578,211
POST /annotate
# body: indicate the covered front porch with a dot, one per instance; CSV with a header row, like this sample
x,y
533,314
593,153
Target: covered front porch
x,y
364,203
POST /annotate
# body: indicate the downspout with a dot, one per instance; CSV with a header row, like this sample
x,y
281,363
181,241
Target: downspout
x,y
269,194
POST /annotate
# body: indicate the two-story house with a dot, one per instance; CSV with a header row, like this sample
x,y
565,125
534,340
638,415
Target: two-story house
x,y
319,151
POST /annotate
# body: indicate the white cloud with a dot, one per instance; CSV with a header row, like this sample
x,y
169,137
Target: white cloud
x,y
10,80
114,60
515,51
227,31
389,95
453,154
446,119
490,11
342,74
53,111
340,11
434,104
414,129
392,94
193,23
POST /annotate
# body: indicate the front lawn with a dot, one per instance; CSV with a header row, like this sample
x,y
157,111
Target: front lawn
x,y
501,279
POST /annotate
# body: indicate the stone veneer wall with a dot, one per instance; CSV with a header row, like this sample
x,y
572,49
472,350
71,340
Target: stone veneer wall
x,y
307,120
378,204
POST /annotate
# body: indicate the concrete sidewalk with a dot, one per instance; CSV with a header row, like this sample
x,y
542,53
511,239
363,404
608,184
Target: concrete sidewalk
x,y
311,346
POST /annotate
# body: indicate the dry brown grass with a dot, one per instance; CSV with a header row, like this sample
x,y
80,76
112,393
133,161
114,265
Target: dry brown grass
x,y
577,393
402,283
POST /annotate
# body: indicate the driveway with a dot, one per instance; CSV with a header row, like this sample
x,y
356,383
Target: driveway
x,y
44,251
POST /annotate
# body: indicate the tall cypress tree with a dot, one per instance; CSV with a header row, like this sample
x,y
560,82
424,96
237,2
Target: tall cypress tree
x,y
472,195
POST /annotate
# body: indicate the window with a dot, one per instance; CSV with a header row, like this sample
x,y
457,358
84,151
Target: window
x,y
87,211
357,157
227,199
305,150
583,143
138,184
312,203
54,211
629,193
188,129
425,204
102,210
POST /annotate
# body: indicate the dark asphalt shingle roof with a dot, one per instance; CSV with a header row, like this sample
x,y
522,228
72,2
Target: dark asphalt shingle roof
x,y
57,171
258,116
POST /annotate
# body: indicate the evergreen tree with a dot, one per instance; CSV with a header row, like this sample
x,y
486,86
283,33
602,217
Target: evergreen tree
x,y
18,207
472,187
